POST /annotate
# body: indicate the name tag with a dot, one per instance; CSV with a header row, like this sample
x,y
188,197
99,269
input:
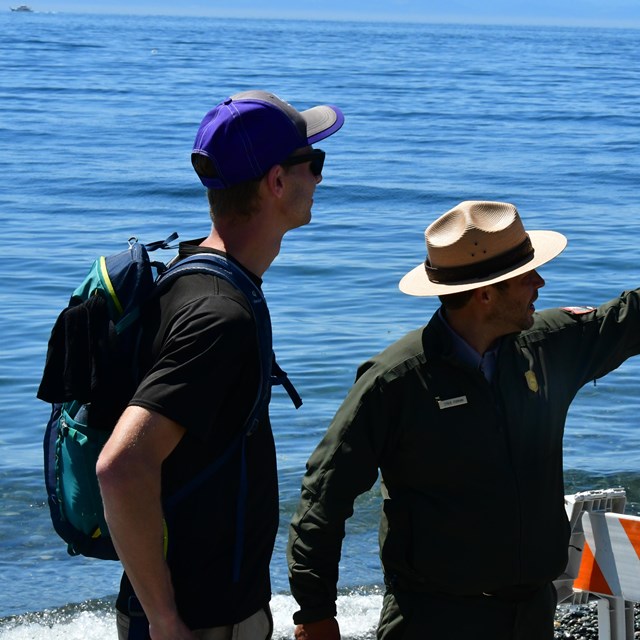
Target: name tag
x,y
452,402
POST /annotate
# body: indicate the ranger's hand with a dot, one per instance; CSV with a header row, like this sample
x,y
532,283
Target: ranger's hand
x,y
322,630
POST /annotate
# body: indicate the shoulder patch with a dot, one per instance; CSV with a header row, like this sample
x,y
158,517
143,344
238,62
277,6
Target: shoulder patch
x,y
578,311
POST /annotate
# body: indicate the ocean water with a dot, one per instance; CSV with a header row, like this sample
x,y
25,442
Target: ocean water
x,y
97,117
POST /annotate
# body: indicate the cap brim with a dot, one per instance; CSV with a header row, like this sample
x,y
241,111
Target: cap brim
x,y
322,121
546,245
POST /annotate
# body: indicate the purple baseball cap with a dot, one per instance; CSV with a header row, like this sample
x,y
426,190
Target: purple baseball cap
x,y
250,132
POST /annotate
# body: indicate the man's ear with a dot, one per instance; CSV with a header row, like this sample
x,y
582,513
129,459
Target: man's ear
x,y
484,295
274,180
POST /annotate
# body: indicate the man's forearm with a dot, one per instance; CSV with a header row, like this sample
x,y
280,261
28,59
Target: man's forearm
x,y
129,472
136,527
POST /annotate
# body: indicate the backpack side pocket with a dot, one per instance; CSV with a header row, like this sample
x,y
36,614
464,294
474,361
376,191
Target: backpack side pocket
x,y
78,448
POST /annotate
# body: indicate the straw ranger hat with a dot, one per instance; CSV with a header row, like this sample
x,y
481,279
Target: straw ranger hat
x,y
476,244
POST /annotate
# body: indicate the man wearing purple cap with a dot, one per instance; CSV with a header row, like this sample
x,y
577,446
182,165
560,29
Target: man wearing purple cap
x,y
463,419
203,572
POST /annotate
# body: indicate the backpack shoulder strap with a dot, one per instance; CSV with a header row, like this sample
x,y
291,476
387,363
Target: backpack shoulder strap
x,y
279,376
271,373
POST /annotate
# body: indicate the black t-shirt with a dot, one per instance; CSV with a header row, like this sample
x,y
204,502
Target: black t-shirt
x,y
200,354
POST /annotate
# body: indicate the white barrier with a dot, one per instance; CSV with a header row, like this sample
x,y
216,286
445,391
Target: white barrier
x,y
604,560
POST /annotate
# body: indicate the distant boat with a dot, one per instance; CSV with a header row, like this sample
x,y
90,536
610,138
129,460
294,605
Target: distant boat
x,y
22,8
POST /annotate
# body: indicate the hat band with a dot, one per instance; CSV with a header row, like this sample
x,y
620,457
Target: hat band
x,y
511,259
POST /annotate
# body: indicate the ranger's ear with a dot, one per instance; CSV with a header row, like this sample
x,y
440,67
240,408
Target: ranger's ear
x,y
484,295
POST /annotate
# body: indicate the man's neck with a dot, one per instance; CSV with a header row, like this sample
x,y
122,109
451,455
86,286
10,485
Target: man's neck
x,y
253,246
477,334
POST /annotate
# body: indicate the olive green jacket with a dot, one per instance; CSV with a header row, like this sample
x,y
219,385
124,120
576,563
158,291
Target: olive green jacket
x,y
472,472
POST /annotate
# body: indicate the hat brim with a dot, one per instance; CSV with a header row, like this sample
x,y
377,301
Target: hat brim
x,y
322,121
546,246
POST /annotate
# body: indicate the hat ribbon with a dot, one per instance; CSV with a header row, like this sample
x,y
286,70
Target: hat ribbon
x,y
513,258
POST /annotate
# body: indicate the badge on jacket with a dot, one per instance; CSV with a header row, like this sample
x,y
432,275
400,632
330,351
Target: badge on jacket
x,y
532,381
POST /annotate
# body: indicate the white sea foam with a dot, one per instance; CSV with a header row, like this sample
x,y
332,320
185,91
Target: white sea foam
x,y
87,625
357,614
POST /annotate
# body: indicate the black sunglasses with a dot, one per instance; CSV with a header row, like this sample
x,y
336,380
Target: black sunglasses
x,y
315,157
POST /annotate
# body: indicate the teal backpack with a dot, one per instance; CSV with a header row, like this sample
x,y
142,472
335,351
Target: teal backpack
x,y
90,374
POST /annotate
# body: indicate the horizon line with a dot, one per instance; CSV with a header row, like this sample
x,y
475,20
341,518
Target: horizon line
x,y
353,17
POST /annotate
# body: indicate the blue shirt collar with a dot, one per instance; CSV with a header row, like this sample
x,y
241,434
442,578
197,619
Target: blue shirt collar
x,y
464,352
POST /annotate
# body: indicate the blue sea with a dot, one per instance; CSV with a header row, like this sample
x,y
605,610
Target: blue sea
x,y
97,117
